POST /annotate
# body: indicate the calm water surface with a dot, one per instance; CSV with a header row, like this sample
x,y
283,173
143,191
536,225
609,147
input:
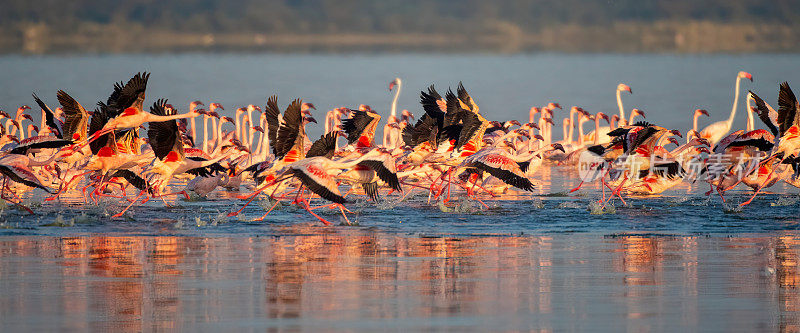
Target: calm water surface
x,y
546,261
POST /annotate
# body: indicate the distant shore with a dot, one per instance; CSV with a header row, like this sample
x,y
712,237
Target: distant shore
x,y
630,37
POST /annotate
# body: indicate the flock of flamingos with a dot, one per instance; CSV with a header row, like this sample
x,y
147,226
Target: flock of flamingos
x,y
451,148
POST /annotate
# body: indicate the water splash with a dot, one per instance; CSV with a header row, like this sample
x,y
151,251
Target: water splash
x,y
785,201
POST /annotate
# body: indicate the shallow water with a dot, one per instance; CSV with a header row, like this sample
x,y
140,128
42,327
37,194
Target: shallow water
x,y
549,260
343,279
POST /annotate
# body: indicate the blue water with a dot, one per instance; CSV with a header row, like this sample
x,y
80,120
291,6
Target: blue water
x,y
549,260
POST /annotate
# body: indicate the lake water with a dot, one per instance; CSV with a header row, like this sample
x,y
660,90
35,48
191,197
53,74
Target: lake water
x,y
547,261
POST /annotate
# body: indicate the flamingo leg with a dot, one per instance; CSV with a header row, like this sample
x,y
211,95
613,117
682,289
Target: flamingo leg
x,y
760,187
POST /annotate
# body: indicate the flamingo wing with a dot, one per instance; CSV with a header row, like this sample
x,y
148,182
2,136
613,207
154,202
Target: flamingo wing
x,y
133,179
22,176
319,182
386,171
131,95
504,169
273,123
465,98
163,135
325,146
787,108
355,126
766,114
49,117
289,131
38,142
75,117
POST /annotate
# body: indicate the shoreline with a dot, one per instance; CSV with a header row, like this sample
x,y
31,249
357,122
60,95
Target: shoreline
x,y
695,37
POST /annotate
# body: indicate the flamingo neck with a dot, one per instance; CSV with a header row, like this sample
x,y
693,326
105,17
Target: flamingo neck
x,y
205,134
750,122
564,126
596,130
238,125
396,95
580,132
571,125
735,103
621,109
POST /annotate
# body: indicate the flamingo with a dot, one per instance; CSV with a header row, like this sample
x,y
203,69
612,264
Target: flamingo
x,y
716,131
620,88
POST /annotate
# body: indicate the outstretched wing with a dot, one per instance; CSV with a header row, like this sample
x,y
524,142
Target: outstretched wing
x,y
787,108
325,146
75,117
273,123
163,135
49,118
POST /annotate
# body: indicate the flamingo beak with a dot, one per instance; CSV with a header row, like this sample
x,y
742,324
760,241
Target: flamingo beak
x,y
673,140
515,122
746,75
311,119
558,146
676,132
641,113
392,84
258,128
27,116
704,141
538,137
534,125
703,112
549,120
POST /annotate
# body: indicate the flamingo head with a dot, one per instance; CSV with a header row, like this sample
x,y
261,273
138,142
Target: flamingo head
x,y
239,111
699,112
533,125
201,111
553,106
676,132
745,75
673,140
364,107
12,138
251,108
33,127
395,82
615,118
624,87
226,119
558,146
702,150
4,114
194,104
638,112
522,132
309,119
307,106
214,106
258,129
550,120
27,116
512,122
407,115
213,114
603,116
534,110
23,108
538,137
